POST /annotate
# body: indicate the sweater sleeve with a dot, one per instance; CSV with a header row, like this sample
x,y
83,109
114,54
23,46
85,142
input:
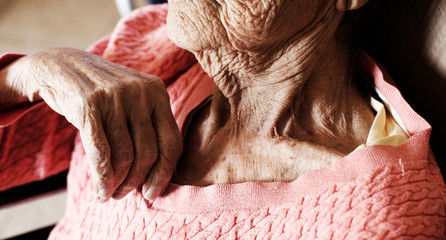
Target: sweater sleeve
x,y
35,141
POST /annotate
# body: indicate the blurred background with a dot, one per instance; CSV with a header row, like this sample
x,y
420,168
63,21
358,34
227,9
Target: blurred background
x,y
27,26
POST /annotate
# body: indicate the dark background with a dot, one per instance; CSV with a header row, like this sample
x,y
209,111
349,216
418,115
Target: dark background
x,y
407,37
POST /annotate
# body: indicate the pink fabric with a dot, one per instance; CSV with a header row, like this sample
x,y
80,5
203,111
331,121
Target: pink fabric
x,y
379,192
8,58
36,144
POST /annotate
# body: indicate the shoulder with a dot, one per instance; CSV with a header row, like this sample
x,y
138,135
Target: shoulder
x,y
140,41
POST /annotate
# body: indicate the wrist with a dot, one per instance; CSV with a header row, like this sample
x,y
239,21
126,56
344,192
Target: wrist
x,y
14,86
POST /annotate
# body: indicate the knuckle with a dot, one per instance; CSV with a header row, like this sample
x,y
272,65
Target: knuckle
x,y
90,106
100,164
164,96
149,155
142,120
122,159
149,79
156,86
102,175
149,86
98,153
162,174
135,84
94,95
172,149
167,165
103,95
141,168
128,186
145,80
144,164
134,181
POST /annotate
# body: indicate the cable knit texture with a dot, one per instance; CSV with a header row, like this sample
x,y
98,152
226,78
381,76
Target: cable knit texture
x,y
379,192
35,142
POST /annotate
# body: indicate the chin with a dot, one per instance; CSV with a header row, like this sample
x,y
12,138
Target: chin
x,y
190,27
180,35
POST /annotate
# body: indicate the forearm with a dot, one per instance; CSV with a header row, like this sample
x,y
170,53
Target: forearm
x,y
14,89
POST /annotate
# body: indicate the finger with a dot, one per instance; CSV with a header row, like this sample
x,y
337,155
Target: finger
x,y
145,145
121,145
170,146
98,154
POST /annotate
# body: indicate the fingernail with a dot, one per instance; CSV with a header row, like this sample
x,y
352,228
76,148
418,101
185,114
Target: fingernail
x,y
118,195
101,197
101,193
152,193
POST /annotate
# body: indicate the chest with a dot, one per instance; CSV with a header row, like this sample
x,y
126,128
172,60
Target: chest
x,y
226,159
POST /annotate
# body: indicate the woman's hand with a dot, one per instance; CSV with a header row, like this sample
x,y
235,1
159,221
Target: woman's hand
x,y
124,116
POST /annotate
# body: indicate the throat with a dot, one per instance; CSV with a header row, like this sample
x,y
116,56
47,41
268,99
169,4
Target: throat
x,y
335,116
265,111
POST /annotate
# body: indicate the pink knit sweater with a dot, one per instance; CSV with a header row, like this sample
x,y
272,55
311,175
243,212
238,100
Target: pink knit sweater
x,y
379,192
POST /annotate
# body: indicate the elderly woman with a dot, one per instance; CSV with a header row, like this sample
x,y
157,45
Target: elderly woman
x,y
285,140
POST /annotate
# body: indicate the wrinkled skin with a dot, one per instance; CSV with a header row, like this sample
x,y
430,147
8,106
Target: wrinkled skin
x,y
124,117
285,100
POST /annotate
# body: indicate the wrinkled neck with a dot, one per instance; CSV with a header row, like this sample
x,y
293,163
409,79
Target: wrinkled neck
x,y
302,90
